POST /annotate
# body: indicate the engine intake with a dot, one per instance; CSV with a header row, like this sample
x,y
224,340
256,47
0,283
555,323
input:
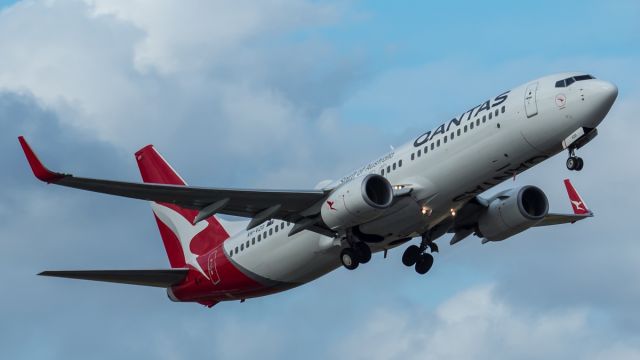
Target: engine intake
x,y
512,212
357,201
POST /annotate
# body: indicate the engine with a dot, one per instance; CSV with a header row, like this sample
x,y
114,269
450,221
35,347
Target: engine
x,y
512,212
357,201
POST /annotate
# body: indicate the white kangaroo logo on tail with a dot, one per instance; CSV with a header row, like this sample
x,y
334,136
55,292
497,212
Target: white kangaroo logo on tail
x,y
183,229
577,204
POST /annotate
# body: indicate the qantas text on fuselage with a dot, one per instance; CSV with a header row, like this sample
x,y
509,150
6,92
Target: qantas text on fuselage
x,y
424,189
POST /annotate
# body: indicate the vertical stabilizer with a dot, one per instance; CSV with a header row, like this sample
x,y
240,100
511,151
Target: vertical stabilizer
x,y
183,241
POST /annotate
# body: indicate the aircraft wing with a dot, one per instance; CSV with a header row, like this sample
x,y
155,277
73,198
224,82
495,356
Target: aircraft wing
x,y
467,217
580,209
556,219
261,205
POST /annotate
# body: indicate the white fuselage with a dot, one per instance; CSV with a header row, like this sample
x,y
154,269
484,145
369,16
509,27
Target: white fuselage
x,y
471,153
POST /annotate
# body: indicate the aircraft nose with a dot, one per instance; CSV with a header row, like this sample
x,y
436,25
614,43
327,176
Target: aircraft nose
x,y
606,92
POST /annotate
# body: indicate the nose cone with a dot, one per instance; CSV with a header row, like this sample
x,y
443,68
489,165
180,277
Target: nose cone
x,y
605,93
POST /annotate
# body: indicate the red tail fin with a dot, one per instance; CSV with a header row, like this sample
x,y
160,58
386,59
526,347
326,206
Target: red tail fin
x,y
579,206
182,240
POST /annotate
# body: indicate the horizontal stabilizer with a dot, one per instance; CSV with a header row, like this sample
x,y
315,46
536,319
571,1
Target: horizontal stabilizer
x,y
157,278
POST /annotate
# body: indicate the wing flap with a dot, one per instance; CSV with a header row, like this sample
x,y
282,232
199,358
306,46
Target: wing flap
x,y
158,278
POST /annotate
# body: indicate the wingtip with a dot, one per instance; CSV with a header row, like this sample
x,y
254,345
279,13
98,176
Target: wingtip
x,y
39,170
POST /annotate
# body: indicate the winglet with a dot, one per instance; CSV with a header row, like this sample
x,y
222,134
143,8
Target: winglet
x,y
578,205
39,170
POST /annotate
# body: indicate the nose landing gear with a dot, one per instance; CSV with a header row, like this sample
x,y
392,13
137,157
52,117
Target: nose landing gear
x,y
416,255
574,162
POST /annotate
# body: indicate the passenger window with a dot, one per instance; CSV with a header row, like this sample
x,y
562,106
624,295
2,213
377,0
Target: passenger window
x,y
247,243
459,132
419,153
471,126
270,232
432,146
465,128
497,112
490,115
426,148
231,253
277,228
394,166
504,109
400,163
282,226
413,156
484,118
452,136
388,169
241,247
382,172
264,234
438,143
253,241
478,122
236,249
560,84
569,81
445,139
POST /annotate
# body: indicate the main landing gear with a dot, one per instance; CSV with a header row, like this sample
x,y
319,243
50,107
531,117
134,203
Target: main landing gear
x,y
416,255
358,253
574,162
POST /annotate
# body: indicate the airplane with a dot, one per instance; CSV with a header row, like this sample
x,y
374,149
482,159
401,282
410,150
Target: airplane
x,y
422,190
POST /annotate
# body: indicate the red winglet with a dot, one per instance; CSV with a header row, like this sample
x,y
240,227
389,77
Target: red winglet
x,y
39,170
578,205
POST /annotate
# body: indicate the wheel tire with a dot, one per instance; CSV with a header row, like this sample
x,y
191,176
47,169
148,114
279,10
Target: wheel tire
x,y
411,255
424,264
349,259
580,164
363,251
572,163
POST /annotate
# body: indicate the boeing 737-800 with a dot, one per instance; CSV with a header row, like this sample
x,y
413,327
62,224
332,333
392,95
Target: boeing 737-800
x,y
424,189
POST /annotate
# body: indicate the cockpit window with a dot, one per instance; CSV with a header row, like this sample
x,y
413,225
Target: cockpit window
x,y
568,81
583,77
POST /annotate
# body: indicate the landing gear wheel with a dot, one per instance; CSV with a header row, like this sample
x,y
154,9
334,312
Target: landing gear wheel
x,y
349,259
580,164
410,256
363,252
424,263
572,163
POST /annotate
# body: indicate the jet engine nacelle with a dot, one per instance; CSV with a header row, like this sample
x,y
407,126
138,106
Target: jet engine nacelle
x,y
357,201
512,212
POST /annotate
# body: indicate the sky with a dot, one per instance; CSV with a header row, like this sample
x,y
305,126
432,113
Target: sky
x,y
273,94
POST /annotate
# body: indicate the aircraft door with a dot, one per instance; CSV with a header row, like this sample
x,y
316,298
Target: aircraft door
x,y
530,104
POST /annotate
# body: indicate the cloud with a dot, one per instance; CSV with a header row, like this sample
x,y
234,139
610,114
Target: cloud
x,y
229,75
478,324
